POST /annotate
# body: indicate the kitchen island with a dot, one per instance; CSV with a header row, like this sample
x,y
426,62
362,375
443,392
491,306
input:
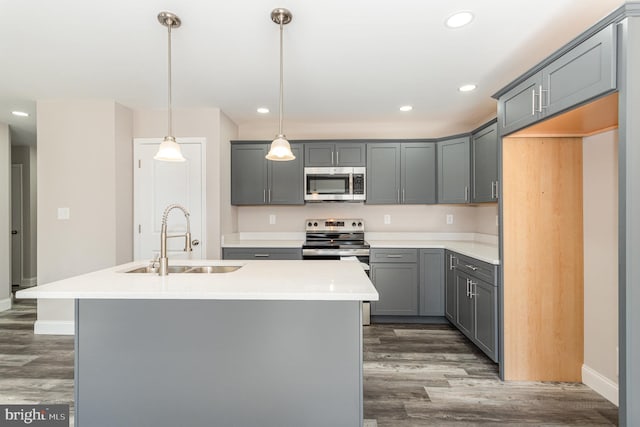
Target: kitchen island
x,y
274,343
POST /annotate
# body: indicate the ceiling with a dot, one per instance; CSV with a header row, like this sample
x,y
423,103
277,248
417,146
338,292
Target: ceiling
x,y
345,61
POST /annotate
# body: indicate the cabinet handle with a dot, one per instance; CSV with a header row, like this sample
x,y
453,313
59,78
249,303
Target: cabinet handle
x,y
403,199
394,256
332,158
261,255
472,289
466,193
264,196
467,288
540,100
269,195
497,189
533,102
472,267
337,157
398,195
493,183
451,258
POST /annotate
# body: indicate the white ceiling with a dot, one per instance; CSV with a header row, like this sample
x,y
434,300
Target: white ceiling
x,y
345,60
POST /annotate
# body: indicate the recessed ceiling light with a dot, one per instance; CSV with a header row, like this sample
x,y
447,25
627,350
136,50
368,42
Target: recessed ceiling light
x,y
263,110
467,88
20,113
459,19
406,108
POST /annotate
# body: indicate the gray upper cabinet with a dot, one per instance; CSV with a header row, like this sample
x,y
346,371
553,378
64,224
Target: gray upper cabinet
x,y
340,154
249,174
383,173
584,72
418,172
431,282
484,144
453,170
258,181
401,173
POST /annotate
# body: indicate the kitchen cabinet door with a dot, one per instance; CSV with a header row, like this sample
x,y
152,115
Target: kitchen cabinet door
x,y
520,106
486,317
465,316
418,173
451,295
249,174
454,163
485,164
383,173
286,179
586,71
350,154
431,282
397,285
318,154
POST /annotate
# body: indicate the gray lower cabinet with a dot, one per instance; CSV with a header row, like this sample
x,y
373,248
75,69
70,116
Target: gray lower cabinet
x,y
484,145
471,300
585,72
258,181
262,253
394,273
453,170
431,282
339,154
401,173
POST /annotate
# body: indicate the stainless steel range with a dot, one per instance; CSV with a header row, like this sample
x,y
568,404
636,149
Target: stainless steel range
x,y
338,239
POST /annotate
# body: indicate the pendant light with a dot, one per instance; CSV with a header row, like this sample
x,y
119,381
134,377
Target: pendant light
x,y
169,150
280,148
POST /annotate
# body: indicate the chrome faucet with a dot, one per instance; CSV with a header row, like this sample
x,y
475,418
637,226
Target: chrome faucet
x,y
163,266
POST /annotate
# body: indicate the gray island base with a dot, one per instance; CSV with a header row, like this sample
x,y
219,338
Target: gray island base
x,y
267,363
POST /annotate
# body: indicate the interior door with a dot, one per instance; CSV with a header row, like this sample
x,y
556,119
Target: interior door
x,y
16,224
158,184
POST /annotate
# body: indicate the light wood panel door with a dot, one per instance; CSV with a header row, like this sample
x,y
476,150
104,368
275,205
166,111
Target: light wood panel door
x,y
543,259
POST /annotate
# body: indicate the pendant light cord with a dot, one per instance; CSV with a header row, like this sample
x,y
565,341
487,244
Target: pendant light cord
x,y
281,74
169,67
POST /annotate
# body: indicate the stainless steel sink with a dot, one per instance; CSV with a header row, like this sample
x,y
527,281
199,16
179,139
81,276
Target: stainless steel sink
x,y
173,269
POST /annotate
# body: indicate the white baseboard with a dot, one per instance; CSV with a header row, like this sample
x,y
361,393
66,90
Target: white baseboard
x,y
5,304
600,384
54,327
28,282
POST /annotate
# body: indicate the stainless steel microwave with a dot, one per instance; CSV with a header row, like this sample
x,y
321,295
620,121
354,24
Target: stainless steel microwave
x,y
333,184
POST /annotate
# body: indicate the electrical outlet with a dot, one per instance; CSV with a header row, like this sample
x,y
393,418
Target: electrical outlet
x,y
387,219
497,221
63,213
272,219
449,219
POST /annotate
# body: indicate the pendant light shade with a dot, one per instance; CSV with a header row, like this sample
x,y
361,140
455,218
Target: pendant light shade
x,y
169,150
280,148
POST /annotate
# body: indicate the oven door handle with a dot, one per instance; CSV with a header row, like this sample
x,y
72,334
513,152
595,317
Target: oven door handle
x,y
334,252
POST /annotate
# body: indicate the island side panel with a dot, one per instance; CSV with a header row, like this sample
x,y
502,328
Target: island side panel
x,y
213,362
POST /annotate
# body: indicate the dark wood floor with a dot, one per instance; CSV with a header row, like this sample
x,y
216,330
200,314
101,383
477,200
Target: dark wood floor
x,y
414,375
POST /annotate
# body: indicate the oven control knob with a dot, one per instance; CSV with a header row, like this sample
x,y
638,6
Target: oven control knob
x,y
353,224
309,224
315,224
359,224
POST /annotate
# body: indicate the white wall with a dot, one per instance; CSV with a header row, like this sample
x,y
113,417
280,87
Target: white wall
x,y
228,213
600,187
5,218
85,151
218,130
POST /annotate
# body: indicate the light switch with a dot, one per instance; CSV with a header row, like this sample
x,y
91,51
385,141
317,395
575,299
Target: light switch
x,y
449,219
387,219
272,219
63,213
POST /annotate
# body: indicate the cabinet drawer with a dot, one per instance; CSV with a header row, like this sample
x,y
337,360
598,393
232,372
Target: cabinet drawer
x,y
261,253
473,267
393,255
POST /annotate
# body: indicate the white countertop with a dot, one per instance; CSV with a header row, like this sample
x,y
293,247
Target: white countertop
x,y
256,280
478,246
